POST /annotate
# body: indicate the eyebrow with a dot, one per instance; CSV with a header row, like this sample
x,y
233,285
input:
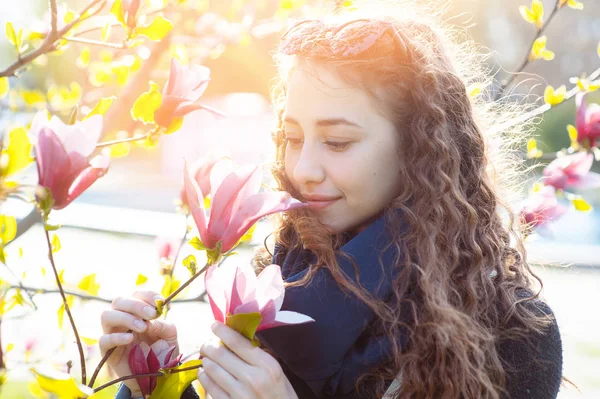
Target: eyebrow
x,y
326,122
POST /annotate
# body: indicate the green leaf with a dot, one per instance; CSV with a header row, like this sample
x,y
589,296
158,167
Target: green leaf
x,y
117,11
61,384
4,87
18,151
102,106
8,228
89,285
55,243
172,385
157,30
146,105
246,324
141,279
190,263
197,244
581,204
11,36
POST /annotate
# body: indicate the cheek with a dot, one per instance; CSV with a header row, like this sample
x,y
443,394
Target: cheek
x,y
289,165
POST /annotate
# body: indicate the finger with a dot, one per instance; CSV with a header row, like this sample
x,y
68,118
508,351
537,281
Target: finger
x,y
211,387
215,350
118,321
109,341
149,297
237,343
136,307
162,329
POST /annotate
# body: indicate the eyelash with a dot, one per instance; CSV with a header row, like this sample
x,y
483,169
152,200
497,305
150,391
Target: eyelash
x,y
331,144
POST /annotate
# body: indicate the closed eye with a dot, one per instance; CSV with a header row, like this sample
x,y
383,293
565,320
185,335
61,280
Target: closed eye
x,y
338,146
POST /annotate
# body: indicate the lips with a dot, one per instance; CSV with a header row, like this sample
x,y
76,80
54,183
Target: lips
x,y
319,201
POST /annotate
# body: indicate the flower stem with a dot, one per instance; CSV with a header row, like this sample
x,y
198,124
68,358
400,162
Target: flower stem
x,y
159,374
166,301
67,309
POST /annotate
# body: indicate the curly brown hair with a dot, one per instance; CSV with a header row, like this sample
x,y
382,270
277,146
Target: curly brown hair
x,y
460,229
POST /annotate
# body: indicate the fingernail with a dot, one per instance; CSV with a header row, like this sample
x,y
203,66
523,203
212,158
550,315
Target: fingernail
x,y
149,312
214,325
139,325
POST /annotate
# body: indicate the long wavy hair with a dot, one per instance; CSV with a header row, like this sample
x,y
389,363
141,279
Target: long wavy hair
x,y
458,178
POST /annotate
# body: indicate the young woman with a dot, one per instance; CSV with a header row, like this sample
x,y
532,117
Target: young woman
x,y
403,257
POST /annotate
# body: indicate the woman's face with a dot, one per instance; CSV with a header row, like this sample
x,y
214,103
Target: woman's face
x,y
341,154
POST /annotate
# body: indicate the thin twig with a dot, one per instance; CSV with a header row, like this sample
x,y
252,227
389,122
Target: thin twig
x,y
75,39
31,291
527,59
165,303
158,374
49,42
541,109
113,142
54,16
64,298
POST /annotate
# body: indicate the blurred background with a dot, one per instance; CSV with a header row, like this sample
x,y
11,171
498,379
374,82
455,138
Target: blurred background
x,y
110,229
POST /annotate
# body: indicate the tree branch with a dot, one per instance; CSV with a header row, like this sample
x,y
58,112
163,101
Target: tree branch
x,y
541,109
64,298
527,59
119,46
49,42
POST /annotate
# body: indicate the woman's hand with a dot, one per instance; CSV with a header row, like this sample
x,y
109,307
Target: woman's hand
x,y
131,314
236,369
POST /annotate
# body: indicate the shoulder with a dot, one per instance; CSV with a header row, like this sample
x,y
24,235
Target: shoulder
x,y
533,362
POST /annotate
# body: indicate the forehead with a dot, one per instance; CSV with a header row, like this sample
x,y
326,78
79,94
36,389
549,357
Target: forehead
x,y
315,92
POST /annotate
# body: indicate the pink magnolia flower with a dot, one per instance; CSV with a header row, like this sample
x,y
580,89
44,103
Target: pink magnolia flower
x,y
238,290
184,87
129,9
144,359
587,122
542,207
62,153
167,247
200,171
236,203
571,171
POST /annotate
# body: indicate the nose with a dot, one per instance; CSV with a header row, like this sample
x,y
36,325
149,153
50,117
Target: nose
x,y
309,169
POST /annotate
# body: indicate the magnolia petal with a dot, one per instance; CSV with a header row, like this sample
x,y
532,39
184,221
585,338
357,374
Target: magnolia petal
x,y
197,80
219,285
195,201
230,194
286,317
175,82
138,365
578,164
81,137
268,312
203,170
85,179
588,181
220,170
186,107
580,119
250,306
269,286
40,121
153,367
254,208
52,160
243,287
